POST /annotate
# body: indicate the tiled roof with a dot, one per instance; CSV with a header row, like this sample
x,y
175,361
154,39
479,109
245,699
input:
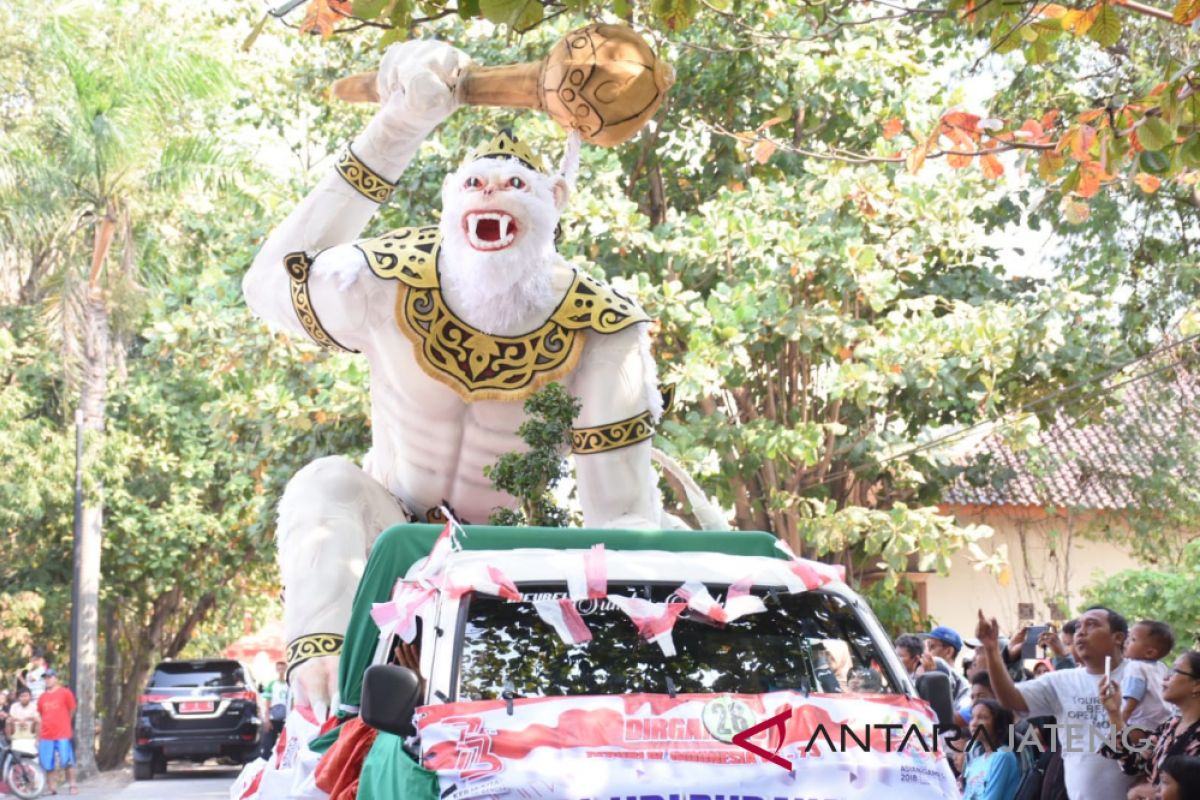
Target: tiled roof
x,y
1088,466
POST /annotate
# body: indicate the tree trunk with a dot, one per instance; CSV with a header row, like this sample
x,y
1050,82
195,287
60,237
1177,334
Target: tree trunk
x,y
116,735
93,396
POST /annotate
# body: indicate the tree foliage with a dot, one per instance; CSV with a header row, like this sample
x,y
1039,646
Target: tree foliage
x,y
1167,594
532,476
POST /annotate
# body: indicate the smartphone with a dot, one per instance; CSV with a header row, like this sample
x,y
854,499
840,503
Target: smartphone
x,y
1030,648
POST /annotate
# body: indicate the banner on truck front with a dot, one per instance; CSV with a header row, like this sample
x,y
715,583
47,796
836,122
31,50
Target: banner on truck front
x,y
655,747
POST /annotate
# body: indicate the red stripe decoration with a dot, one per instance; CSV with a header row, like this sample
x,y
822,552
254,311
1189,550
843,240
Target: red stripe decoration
x,y
595,567
504,587
575,625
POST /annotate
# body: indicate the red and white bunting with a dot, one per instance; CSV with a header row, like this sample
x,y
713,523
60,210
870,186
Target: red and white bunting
x,y
590,582
435,562
398,616
562,615
806,574
810,575
739,602
654,621
483,579
699,600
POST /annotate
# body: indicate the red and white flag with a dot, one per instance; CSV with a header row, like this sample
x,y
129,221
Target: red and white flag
x,y
398,616
699,600
435,562
483,579
810,575
562,615
590,582
654,620
806,575
739,602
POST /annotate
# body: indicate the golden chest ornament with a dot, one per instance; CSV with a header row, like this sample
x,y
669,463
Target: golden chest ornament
x,y
479,365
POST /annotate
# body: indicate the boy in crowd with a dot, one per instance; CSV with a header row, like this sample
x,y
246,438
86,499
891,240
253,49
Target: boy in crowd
x,y
23,722
1149,642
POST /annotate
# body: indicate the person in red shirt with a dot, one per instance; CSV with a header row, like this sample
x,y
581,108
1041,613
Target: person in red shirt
x,y
56,707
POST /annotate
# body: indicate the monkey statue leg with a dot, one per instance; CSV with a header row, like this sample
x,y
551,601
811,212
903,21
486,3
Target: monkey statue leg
x,y
329,516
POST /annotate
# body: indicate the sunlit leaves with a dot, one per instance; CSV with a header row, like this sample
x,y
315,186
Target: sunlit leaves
x,y
516,14
1155,134
1147,183
1186,11
1106,27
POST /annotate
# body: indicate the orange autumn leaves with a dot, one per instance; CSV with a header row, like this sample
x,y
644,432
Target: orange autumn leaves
x,y
964,136
322,16
1086,155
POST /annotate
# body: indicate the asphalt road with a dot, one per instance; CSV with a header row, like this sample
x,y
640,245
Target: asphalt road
x,y
181,782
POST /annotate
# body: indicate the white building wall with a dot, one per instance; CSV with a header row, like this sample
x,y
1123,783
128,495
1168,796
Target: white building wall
x,y
1050,559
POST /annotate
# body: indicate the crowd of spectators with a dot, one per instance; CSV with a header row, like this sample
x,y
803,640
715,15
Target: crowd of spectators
x,y
1093,711
36,715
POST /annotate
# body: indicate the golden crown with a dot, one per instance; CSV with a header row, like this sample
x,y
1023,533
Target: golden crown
x,y
506,145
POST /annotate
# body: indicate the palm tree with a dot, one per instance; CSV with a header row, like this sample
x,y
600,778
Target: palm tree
x,y
80,182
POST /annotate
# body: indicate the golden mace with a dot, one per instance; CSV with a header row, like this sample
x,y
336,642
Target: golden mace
x,y
602,80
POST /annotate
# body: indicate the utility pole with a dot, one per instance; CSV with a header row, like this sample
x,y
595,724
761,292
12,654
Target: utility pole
x,y
85,611
78,552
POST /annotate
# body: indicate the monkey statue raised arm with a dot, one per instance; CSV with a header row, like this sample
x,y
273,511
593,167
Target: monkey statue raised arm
x,y
459,322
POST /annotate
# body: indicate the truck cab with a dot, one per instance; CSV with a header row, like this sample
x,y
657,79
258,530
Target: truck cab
x,y
771,678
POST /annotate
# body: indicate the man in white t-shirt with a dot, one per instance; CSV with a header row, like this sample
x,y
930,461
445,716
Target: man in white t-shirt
x,y
1072,696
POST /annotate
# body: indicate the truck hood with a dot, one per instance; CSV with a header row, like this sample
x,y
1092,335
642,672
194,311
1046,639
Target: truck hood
x,y
654,747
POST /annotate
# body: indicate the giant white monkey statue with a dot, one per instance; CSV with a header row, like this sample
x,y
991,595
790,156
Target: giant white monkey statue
x,y
460,322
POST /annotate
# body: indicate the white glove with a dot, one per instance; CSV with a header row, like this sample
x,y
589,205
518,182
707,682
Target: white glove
x,y
416,82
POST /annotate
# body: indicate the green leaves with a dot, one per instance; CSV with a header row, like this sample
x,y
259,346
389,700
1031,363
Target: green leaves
x,y
1155,134
1106,29
519,15
530,477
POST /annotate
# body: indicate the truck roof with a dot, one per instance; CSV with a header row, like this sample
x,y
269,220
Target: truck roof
x,y
401,546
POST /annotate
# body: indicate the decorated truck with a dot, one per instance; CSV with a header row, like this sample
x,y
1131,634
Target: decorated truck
x,y
551,663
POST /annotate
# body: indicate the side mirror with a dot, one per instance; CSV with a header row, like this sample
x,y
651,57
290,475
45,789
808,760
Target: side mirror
x,y
934,688
390,694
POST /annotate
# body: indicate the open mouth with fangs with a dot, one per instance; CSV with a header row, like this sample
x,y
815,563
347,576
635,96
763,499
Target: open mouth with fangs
x,y
489,230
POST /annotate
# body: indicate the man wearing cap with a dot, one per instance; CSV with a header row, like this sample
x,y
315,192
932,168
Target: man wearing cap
x,y
942,646
56,707
460,321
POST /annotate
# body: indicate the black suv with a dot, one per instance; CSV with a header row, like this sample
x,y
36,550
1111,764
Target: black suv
x,y
194,710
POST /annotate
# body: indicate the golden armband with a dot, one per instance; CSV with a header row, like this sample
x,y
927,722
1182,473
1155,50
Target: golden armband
x,y
614,436
298,265
366,181
313,645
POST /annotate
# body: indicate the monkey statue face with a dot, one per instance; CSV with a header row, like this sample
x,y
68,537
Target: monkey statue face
x,y
499,203
498,223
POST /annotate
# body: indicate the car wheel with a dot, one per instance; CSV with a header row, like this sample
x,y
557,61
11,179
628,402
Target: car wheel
x,y
158,764
143,770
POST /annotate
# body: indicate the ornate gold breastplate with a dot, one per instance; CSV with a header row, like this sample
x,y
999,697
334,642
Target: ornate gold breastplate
x,y
484,366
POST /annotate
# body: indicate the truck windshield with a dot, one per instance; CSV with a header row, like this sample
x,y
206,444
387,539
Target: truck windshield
x,y
807,642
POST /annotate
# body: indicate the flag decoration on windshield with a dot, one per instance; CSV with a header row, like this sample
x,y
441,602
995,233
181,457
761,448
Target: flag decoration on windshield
x,y
566,620
654,621
587,580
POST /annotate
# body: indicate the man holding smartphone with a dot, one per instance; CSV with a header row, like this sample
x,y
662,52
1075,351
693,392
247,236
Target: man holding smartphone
x,y
1072,696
